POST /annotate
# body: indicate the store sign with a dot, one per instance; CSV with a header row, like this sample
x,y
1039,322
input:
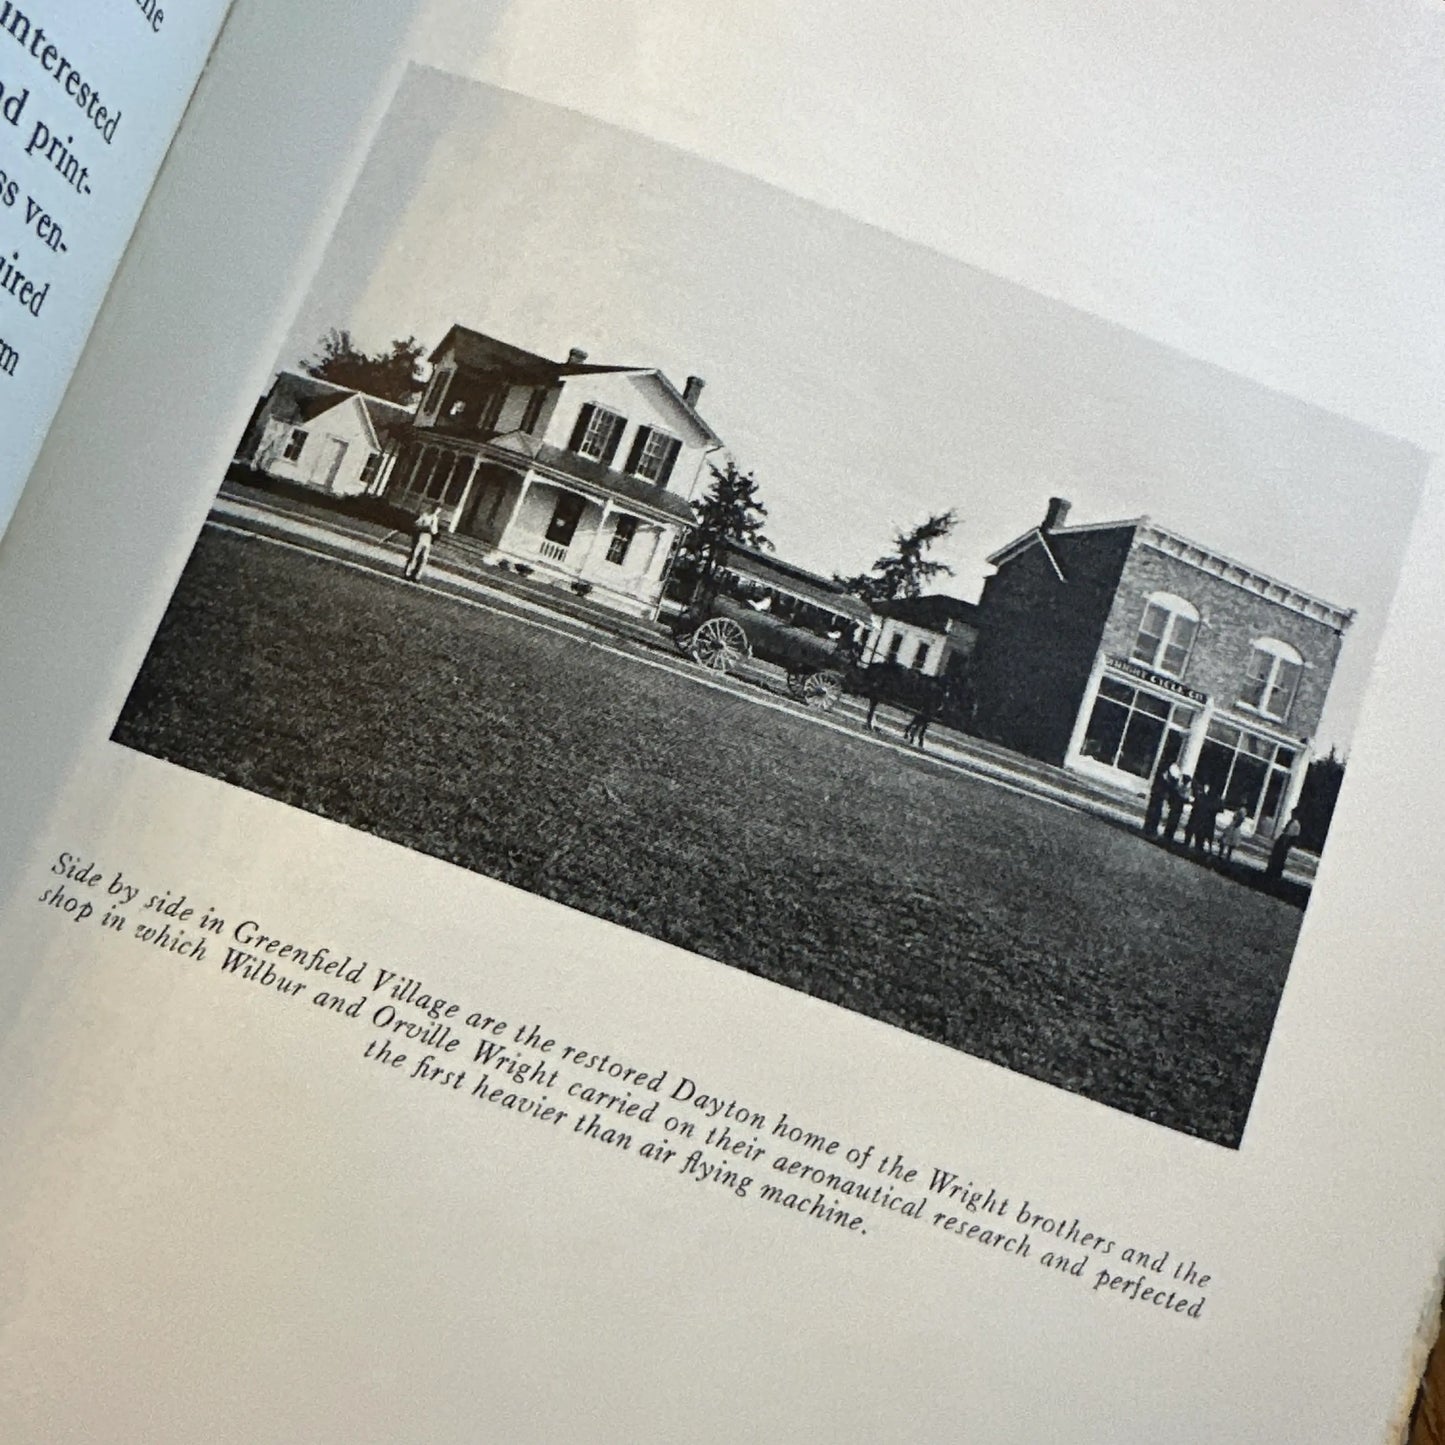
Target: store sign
x,y
1155,679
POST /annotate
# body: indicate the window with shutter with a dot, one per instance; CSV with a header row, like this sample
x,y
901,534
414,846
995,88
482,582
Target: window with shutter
x,y
434,391
653,454
295,444
597,433
533,413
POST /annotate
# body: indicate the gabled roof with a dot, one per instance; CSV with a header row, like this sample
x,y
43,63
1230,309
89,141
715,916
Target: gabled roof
x,y
306,390
311,397
933,612
477,350
1021,544
386,417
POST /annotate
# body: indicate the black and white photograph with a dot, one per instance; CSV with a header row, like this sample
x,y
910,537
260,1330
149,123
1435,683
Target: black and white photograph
x,y
670,547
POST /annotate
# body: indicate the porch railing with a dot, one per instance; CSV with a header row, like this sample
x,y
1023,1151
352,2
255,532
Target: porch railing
x,y
552,551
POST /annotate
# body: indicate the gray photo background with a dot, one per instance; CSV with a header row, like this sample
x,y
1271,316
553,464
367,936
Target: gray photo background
x,y
866,380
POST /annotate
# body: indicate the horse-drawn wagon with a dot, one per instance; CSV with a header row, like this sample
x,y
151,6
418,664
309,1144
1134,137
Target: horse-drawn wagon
x,y
757,606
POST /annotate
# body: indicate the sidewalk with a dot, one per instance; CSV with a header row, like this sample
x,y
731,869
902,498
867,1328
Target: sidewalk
x,y
373,547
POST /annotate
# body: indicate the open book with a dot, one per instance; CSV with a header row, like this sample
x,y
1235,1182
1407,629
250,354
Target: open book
x,y
717,724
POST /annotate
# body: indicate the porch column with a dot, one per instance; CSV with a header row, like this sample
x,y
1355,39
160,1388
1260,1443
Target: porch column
x,y
654,575
462,499
662,540
1086,710
586,566
1194,743
503,539
1295,786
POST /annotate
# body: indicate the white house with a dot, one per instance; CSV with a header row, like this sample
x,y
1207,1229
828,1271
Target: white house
x,y
932,635
579,472
320,435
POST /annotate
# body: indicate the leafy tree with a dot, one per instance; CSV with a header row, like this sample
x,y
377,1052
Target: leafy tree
x,y
394,374
729,511
907,569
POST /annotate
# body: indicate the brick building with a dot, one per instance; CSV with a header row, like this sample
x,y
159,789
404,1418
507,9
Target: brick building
x,y
1113,648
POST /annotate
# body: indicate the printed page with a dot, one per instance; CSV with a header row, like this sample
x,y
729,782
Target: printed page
x,y
744,757
90,95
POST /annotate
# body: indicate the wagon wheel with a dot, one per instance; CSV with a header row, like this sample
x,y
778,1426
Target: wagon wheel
x,y
720,643
822,689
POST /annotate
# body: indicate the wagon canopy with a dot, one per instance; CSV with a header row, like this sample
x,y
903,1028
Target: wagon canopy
x,y
801,585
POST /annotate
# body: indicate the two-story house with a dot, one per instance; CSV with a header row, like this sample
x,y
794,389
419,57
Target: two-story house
x,y
1114,648
578,471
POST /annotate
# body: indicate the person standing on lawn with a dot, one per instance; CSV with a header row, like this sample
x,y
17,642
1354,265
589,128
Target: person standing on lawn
x,y
1178,790
1202,819
1158,793
1229,839
423,534
1279,853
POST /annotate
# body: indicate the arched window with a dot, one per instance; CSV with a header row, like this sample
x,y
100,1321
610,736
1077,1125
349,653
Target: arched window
x,y
1166,634
1272,677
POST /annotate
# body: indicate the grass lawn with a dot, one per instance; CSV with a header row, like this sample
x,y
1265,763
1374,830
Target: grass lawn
x,y
1039,938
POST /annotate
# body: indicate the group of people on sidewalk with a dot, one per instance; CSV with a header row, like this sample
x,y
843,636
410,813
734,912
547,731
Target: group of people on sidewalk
x,y
1212,828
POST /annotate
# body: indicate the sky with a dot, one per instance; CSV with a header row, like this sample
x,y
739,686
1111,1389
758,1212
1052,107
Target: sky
x,y
867,381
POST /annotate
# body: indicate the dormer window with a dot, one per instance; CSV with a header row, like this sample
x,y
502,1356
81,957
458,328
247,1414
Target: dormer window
x,y
1272,678
597,433
653,454
1166,634
533,413
434,391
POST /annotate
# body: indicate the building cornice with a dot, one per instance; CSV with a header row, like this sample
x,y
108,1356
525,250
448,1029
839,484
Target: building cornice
x,y
1248,579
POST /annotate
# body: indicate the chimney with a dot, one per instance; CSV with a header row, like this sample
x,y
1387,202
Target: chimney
x,y
1056,516
576,356
693,390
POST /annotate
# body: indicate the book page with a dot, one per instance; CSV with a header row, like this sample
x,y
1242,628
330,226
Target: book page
x,y
90,96
951,955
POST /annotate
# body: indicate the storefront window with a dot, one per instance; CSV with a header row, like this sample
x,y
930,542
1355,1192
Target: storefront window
x,y
1130,729
1247,770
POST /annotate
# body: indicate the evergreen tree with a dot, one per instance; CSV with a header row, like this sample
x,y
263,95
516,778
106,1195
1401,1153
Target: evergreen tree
x,y
1317,799
394,374
729,511
905,570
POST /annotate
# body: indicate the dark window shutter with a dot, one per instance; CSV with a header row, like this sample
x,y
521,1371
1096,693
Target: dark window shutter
x,y
639,442
665,475
613,441
584,419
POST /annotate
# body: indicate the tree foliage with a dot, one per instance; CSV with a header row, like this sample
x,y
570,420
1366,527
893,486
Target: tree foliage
x,y
394,374
907,569
1317,799
729,511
